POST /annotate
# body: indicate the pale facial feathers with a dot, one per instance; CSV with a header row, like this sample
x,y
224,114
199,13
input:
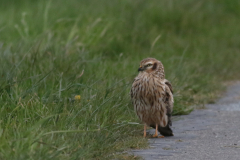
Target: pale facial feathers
x,y
152,66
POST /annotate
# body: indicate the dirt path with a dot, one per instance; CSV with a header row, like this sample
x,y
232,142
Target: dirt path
x,y
211,133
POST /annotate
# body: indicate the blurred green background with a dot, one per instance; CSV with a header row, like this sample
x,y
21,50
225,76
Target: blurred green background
x,y
46,45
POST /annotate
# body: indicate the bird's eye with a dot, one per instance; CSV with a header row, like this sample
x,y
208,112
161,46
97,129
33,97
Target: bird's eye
x,y
148,65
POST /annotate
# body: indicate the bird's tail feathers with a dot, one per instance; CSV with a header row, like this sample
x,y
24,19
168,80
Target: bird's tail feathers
x,y
165,131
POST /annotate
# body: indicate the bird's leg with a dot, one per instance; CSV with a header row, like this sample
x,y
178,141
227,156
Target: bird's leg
x,y
144,133
156,131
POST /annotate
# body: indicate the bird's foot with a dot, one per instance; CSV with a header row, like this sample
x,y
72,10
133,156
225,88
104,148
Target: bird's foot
x,y
155,136
160,136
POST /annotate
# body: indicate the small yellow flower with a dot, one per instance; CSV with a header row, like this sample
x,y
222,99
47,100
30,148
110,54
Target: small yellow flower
x,y
77,97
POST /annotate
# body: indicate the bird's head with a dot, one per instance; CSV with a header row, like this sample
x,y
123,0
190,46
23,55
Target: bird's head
x,y
151,66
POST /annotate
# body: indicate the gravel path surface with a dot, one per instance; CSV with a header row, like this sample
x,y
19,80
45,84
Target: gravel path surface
x,y
206,134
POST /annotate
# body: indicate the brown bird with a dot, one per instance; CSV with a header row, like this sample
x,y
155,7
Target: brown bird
x,y
152,97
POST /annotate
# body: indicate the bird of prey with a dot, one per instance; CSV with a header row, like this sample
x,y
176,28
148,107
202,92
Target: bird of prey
x,y
152,97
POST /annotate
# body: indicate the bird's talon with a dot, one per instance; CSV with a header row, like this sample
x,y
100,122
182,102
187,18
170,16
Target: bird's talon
x,y
155,136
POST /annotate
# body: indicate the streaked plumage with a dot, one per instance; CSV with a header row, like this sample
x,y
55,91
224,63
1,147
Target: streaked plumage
x,y
152,97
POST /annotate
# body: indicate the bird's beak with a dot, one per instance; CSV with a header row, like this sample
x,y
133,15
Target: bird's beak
x,y
140,69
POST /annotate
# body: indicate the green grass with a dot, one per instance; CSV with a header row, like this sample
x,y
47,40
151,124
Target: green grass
x,y
46,45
